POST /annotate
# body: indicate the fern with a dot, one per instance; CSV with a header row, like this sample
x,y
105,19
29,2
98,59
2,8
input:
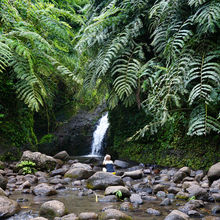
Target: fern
x,y
208,17
207,73
196,3
5,55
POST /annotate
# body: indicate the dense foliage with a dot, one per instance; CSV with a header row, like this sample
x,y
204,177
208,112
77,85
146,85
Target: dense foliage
x,y
162,55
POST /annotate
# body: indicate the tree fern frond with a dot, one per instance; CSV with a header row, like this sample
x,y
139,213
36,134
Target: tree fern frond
x,y
200,123
208,17
196,3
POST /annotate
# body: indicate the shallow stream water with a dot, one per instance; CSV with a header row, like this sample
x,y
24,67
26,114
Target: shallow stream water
x,y
77,204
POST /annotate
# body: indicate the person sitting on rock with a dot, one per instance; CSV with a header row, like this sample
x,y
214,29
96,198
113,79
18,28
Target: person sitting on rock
x,y
108,163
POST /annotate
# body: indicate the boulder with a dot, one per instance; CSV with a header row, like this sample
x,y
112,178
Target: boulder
x,y
111,190
136,174
101,180
165,202
153,212
121,164
136,199
2,192
71,216
126,206
177,215
52,209
3,182
81,165
63,155
42,161
39,218
198,192
179,176
216,197
114,214
158,188
8,207
44,189
88,216
174,190
186,170
214,172
78,173
60,171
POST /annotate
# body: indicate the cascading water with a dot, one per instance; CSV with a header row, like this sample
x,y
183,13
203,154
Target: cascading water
x,y
99,135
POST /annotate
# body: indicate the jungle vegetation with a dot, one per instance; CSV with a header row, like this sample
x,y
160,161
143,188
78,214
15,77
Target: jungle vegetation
x,y
162,56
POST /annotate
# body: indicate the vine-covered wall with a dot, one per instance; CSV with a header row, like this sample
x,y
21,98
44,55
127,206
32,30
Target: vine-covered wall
x,y
170,146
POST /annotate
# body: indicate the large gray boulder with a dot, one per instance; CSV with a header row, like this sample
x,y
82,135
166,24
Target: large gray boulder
x,y
42,161
214,172
179,176
177,215
88,216
3,182
78,173
52,209
136,174
8,207
44,189
63,155
111,190
114,214
121,164
81,165
101,180
198,192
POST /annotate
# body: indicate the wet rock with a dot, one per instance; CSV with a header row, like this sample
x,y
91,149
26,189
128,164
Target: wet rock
x,y
3,182
179,176
81,165
136,174
78,173
188,184
216,210
186,170
153,212
165,202
42,161
210,218
142,187
214,172
42,180
158,187
215,185
121,164
182,195
114,214
63,155
147,171
88,216
174,190
126,206
149,198
44,189
25,185
55,181
32,179
216,197
111,190
41,174
59,186
110,198
52,209
198,192
199,177
101,180
161,194
194,213
71,216
60,171
8,207
39,218
177,215
2,192
136,198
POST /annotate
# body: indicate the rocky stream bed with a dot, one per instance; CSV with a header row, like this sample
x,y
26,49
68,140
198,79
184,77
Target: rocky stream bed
x,y
76,189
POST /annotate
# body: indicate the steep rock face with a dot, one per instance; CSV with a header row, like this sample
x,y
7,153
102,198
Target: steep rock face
x,y
74,136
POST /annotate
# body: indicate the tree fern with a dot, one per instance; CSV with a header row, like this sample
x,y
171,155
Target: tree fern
x,y
208,17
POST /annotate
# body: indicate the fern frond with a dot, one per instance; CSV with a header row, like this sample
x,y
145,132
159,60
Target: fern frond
x,y
196,3
208,17
5,55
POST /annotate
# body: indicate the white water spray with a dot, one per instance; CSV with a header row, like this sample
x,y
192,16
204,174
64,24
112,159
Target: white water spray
x,y
99,135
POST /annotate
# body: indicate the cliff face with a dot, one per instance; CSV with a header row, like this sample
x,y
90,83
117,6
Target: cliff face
x,y
75,135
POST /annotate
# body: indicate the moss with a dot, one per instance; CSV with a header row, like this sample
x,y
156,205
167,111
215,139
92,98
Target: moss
x,y
169,147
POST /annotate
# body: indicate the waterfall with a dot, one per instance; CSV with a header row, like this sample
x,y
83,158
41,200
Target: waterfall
x,y
99,135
